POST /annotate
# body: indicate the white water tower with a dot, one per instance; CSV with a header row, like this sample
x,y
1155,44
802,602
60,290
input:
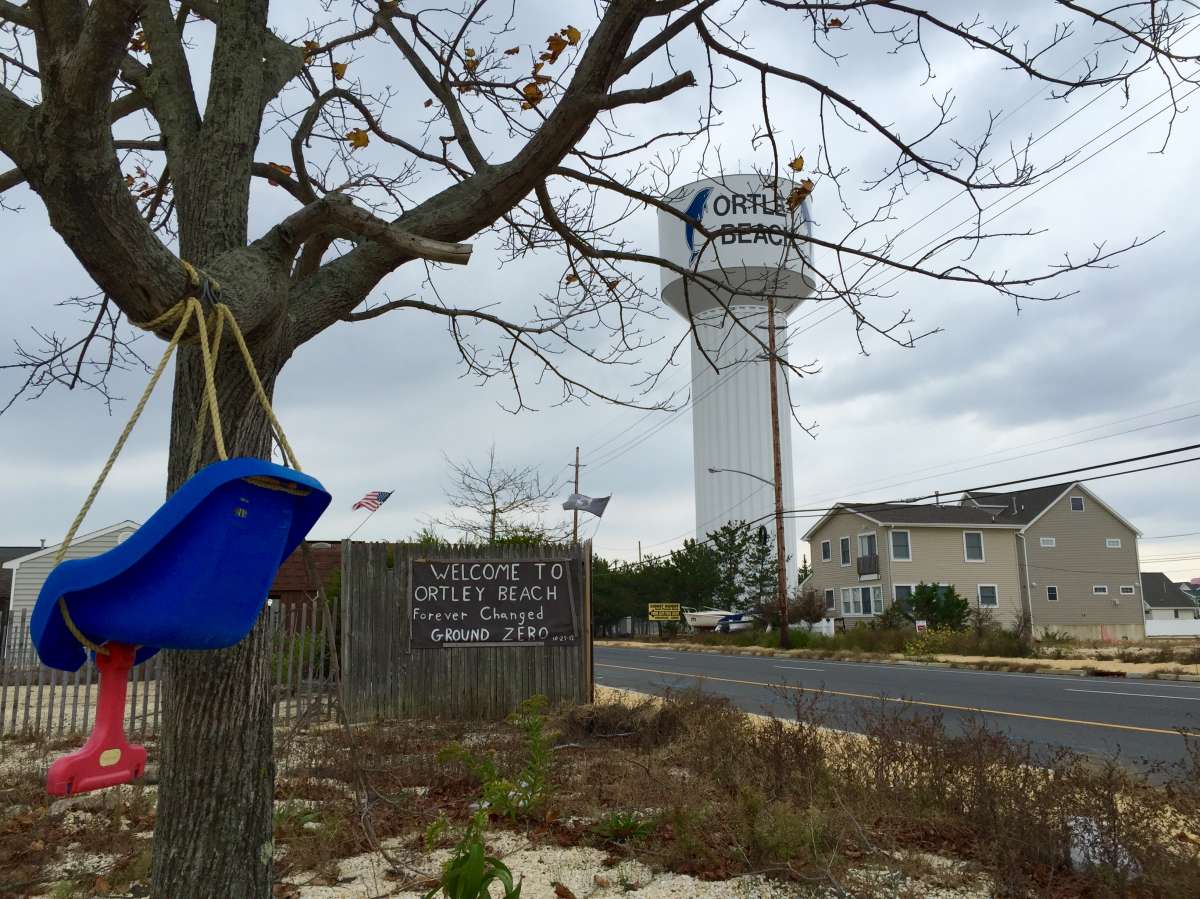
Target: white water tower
x,y
749,260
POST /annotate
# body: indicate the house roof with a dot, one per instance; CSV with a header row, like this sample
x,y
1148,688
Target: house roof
x,y
1021,506
7,553
16,562
915,514
1160,592
1027,506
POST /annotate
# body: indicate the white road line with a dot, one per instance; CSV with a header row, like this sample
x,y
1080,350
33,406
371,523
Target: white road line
x,y
666,658
1147,695
798,668
1147,682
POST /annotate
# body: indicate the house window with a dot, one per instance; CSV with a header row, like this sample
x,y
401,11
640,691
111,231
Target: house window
x,y
973,546
1127,590
1100,590
826,551
829,600
987,596
846,606
866,600
866,545
1048,542
901,546
1052,593
844,546
902,592
1076,503
1112,543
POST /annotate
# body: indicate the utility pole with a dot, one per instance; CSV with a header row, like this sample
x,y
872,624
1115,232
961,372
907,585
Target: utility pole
x,y
781,559
575,512
639,552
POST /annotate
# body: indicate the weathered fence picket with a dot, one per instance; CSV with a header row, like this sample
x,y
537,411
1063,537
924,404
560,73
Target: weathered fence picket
x,y
385,677
40,701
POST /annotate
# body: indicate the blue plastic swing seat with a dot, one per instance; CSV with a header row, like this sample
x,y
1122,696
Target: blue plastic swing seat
x,y
195,576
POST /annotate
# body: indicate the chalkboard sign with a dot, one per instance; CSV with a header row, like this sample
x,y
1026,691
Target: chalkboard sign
x,y
504,602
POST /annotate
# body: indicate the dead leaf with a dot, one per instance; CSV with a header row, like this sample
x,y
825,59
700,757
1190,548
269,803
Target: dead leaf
x,y
428,103
613,284
339,69
512,51
601,881
533,95
572,34
310,49
138,44
469,53
562,891
834,23
555,45
537,67
572,278
279,167
471,65
797,164
799,194
357,138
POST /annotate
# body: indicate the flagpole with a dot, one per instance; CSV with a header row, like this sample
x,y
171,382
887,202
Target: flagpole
x,y
361,523
386,496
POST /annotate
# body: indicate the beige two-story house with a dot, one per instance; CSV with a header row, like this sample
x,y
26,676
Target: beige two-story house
x,y
1057,554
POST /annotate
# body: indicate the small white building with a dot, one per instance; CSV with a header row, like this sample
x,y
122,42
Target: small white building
x,y
29,572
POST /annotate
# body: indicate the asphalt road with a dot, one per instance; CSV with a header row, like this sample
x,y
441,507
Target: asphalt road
x,y
1135,719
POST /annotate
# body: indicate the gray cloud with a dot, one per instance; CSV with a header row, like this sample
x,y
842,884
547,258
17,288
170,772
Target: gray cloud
x,y
375,406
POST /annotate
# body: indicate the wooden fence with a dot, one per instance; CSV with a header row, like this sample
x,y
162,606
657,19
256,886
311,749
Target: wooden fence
x,y
386,678
37,701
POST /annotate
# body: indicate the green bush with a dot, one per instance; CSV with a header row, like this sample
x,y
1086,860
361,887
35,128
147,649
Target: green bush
x,y
523,795
939,605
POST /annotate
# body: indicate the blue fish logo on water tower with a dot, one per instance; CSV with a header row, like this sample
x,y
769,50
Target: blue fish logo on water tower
x,y
695,211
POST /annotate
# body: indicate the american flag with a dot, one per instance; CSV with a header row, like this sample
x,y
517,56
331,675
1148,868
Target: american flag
x,y
373,500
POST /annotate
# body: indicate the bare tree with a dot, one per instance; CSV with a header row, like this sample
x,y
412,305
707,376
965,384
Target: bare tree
x,y
492,501
544,145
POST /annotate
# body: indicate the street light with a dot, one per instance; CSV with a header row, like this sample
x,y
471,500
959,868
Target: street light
x,y
781,564
746,473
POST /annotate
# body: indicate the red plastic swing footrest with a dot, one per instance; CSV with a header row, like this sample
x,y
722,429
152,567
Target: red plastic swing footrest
x,y
107,759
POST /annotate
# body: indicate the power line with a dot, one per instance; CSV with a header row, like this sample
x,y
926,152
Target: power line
x,y
637,441
1172,536
866,507
1032,96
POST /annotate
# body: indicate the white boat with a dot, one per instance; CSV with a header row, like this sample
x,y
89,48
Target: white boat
x,y
718,619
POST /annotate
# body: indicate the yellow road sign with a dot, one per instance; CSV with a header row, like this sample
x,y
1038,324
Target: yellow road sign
x,y
663,611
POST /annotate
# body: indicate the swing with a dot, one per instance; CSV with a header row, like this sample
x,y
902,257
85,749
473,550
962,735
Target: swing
x,y
194,576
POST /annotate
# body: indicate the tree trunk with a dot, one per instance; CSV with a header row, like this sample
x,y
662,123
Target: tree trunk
x,y
213,834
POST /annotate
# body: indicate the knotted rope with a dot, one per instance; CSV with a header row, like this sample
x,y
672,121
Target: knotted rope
x,y
181,315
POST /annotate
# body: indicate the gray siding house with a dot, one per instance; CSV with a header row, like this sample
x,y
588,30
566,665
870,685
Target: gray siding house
x,y
1058,555
29,572
1078,561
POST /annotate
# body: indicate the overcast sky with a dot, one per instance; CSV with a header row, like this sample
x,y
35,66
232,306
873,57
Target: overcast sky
x,y
1109,373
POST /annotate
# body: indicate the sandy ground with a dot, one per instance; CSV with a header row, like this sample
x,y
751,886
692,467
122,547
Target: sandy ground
x,y
582,871
1109,666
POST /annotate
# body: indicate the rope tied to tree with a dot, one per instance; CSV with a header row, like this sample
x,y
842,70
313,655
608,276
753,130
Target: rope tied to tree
x,y
207,291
